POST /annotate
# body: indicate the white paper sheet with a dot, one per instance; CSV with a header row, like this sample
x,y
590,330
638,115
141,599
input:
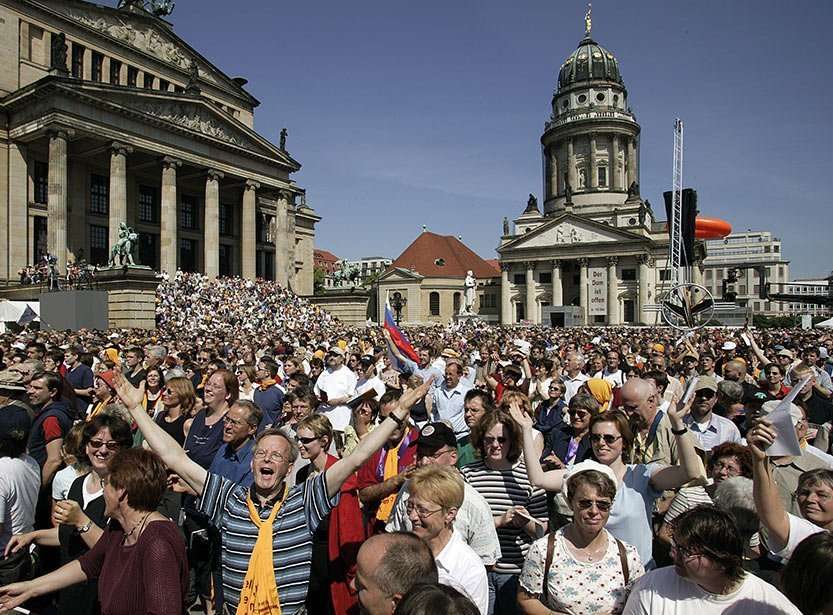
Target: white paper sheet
x,y
786,442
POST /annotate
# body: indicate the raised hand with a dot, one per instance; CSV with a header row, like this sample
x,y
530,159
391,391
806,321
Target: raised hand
x,y
520,417
760,438
412,396
130,396
68,512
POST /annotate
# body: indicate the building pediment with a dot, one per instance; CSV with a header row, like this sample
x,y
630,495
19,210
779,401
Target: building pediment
x,y
397,274
145,34
570,229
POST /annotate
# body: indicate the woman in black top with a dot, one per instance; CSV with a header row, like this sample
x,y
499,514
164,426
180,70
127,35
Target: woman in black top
x,y
80,517
178,398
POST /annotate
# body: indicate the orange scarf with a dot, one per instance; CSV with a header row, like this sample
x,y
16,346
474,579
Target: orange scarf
x,y
391,470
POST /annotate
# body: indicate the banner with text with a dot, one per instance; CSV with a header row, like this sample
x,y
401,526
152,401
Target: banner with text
x,y
597,295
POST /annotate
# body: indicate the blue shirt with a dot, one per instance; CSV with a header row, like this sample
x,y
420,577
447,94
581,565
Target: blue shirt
x,y
633,509
270,400
448,405
235,466
718,430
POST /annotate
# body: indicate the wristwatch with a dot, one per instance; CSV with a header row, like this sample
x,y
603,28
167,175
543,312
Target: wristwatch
x,y
396,419
84,528
679,432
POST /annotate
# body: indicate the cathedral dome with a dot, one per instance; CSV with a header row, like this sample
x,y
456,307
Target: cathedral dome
x,y
589,62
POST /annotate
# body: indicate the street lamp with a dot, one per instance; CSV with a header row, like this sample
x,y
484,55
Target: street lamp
x,y
398,302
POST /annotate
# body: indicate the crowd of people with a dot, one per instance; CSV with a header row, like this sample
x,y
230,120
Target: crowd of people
x,y
254,455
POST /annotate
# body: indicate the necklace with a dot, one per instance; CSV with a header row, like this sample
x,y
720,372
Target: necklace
x,y
139,525
585,553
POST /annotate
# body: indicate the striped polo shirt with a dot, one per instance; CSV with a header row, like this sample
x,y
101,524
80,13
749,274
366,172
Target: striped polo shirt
x,y
224,502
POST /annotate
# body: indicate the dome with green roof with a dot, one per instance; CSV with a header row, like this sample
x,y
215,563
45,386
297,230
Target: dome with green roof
x,y
589,62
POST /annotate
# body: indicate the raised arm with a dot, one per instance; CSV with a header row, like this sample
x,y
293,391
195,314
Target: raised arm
x,y
373,441
691,467
551,480
767,502
756,349
159,441
393,349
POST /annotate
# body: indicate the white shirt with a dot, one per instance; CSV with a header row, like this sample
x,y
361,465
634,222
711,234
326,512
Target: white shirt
x,y
572,385
19,486
374,383
664,592
615,379
460,567
800,529
474,523
337,383
817,452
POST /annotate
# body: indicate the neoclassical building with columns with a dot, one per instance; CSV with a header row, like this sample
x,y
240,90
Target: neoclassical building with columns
x,y
595,244
109,117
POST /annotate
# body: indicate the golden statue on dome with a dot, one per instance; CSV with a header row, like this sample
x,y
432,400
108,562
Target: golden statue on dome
x,y
588,20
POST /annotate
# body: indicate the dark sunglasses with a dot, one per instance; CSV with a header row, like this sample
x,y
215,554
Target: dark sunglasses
x,y
492,440
609,439
603,505
306,440
111,446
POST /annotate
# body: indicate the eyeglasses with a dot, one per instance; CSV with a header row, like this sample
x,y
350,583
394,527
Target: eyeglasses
x,y
438,453
262,455
168,391
112,445
306,441
602,505
422,513
704,394
492,440
582,414
233,422
609,439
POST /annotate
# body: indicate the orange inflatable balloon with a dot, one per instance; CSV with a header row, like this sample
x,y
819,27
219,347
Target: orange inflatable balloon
x,y
711,228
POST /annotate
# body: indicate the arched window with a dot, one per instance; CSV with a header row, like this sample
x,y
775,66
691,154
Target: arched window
x,y
456,303
434,303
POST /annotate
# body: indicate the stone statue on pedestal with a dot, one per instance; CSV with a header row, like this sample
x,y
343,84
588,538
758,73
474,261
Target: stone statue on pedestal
x,y
123,249
58,54
469,296
284,132
505,226
568,190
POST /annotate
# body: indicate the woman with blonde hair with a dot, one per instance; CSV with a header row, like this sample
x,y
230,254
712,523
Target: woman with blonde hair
x,y
246,377
178,399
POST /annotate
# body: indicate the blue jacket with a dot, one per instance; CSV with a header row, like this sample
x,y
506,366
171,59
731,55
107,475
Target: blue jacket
x,y
270,400
37,442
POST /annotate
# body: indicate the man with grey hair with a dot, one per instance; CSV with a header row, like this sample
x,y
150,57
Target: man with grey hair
x,y
155,356
573,376
387,566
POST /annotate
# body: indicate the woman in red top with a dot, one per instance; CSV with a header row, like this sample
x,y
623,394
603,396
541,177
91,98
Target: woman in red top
x,y
141,569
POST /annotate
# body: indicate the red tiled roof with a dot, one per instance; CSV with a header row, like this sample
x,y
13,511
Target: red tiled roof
x,y
495,264
323,255
428,250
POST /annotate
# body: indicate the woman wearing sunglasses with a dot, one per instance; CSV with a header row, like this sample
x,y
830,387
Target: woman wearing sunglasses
x,y
80,518
557,569
638,485
518,508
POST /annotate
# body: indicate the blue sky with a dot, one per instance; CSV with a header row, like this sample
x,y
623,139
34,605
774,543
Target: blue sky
x,y
412,113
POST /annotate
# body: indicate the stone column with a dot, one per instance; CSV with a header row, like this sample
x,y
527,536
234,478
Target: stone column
x,y
531,308
553,171
118,189
594,163
557,287
612,291
211,232
642,314
168,242
615,179
57,196
282,239
583,289
505,294
248,239
571,164
631,161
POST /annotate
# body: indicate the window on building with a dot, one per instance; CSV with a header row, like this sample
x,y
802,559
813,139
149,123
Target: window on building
x,y
545,277
226,213
628,275
742,290
664,275
163,85
457,303
98,244
262,223
97,67
708,274
434,303
756,289
99,195
41,181
77,61
226,258
187,254
148,81
519,278
149,250
188,212
132,76
115,72
602,177
148,204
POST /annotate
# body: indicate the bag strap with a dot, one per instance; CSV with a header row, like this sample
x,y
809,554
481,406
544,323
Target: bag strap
x,y
623,559
550,548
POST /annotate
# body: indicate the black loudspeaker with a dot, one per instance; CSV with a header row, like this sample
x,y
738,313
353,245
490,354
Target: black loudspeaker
x,y
75,309
686,224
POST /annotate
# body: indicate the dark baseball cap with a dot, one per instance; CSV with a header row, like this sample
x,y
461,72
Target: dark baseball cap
x,y
15,422
434,436
754,397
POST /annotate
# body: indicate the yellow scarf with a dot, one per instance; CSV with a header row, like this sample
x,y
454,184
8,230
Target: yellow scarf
x,y
391,470
260,591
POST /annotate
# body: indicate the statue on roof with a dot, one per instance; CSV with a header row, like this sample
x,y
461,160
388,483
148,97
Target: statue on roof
x,y
531,204
58,54
284,132
588,20
158,8
633,189
505,226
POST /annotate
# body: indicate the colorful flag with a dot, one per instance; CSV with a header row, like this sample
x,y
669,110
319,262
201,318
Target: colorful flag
x,y
27,316
399,340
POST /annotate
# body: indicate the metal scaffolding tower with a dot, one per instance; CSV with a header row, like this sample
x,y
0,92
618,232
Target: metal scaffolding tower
x,y
675,246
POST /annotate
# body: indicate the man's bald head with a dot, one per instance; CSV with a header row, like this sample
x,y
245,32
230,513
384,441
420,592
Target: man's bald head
x,y
639,400
734,370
